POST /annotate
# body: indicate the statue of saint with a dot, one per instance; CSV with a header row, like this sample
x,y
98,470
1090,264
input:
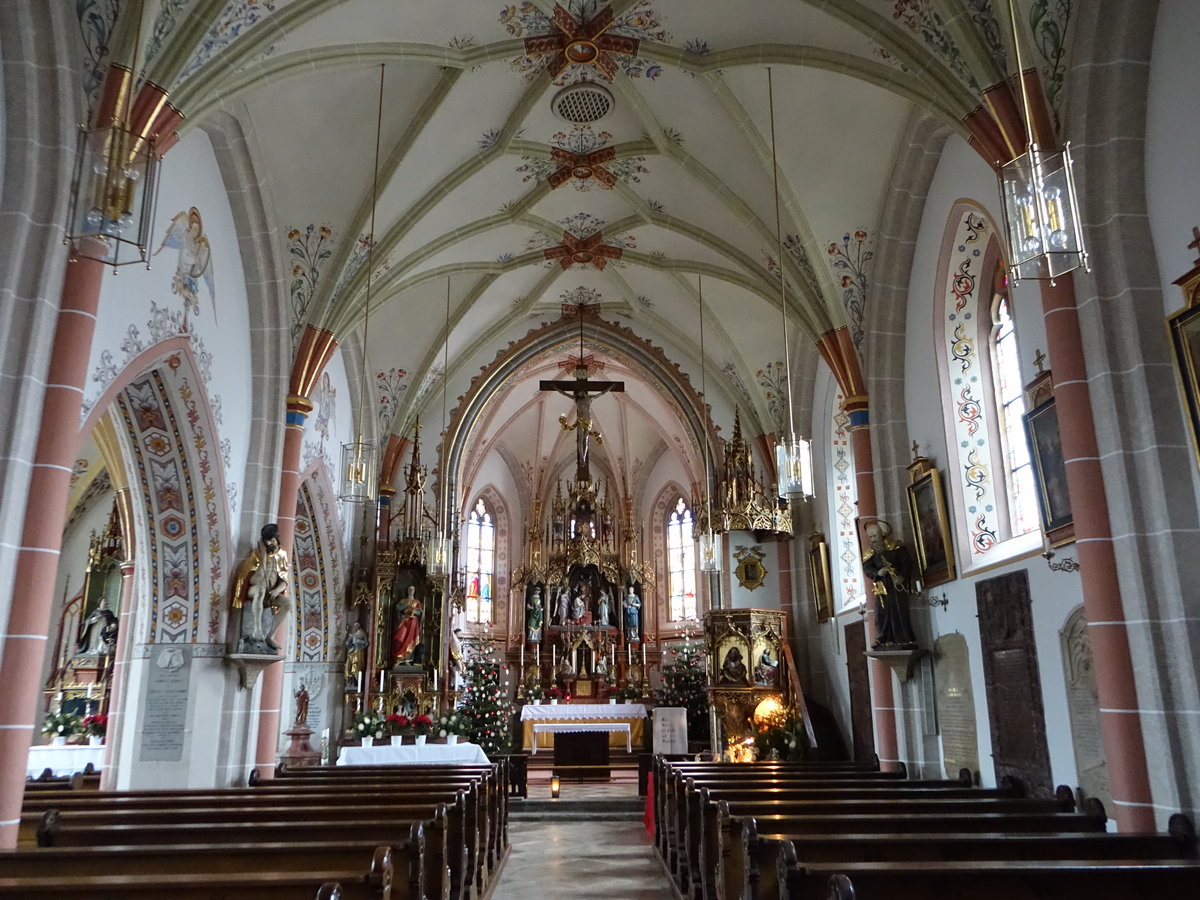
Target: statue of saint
x,y
260,590
603,608
533,617
98,633
356,652
767,671
407,635
633,615
889,566
564,605
733,669
301,705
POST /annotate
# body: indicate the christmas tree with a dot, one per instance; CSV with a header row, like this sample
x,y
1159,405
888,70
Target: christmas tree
x,y
684,683
486,707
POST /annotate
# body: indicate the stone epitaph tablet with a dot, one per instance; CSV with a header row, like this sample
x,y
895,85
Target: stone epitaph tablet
x,y
670,730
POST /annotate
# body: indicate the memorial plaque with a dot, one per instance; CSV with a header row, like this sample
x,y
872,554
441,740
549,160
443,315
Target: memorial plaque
x,y
956,705
164,719
1083,709
670,729
1012,682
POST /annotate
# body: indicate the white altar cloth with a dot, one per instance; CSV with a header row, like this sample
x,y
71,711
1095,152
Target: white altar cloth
x,y
62,760
412,755
564,712
559,727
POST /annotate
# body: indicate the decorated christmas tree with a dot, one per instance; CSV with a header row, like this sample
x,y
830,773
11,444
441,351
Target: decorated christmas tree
x,y
486,706
684,683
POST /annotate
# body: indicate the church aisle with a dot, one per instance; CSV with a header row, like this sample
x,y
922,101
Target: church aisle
x,y
572,859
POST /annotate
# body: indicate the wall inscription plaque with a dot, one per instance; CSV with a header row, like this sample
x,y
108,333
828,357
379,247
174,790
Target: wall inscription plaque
x,y
956,705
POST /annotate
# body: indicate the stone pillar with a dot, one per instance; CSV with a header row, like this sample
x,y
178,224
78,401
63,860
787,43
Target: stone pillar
x,y
41,537
298,408
1120,720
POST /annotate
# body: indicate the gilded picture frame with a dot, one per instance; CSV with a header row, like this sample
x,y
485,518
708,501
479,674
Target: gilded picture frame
x,y
1184,329
1050,472
819,577
931,529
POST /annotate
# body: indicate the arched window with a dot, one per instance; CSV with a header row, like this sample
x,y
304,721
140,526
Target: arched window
x,y
480,564
681,562
1010,410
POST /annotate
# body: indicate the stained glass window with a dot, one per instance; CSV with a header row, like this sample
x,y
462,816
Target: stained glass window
x,y
480,564
681,561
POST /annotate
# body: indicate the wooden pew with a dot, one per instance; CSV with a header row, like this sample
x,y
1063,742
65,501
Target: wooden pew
x,y
111,871
704,834
493,819
993,880
346,885
445,873
757,867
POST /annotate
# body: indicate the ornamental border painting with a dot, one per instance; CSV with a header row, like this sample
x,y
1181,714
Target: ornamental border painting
x,y
1050,473
931,529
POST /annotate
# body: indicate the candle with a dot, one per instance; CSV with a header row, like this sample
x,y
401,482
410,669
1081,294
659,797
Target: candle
x,y
435,679
643,655
359,687
522,654
381,677
628,654
553,654
612,656
89,691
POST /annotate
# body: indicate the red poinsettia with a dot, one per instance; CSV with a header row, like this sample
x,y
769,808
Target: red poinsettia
x,y
555,692
95,725
422,723
396,722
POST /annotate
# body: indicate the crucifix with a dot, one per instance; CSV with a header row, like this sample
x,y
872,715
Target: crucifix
x,y
1195,244
582,391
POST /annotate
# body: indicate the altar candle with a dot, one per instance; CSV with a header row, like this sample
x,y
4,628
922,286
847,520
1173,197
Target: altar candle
x,y
381,677
628,654
359,689
553,654
522,654
89,691
612,656
643,654
537,649
435,679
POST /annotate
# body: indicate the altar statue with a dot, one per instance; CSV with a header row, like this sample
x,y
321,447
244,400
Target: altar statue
x,y
533,617
260,590
98,635
603,611
407,635
633,615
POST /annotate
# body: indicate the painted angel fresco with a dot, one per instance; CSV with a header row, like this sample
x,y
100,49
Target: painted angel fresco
x,y
186,234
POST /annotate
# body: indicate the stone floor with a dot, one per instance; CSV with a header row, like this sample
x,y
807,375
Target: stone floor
x,y
565,853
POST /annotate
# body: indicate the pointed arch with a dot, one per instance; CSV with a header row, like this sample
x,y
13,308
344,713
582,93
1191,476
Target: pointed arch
x,y
660,509
497,509
318,569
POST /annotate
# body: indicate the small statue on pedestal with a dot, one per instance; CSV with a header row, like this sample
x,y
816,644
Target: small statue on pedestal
x,y
260,590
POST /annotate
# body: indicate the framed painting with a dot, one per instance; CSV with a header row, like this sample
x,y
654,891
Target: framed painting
x,y
820,580
1184,327
931,529
1049,471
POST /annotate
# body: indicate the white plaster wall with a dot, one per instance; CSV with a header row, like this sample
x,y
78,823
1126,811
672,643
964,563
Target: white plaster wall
x,y
1173,143
220,336
331,424
962,174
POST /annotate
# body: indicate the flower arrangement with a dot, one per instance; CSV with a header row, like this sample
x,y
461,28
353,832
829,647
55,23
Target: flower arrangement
x,y
422,723
555,692
451,722
396,724
782,737
534,693
95,725
369,724
62,724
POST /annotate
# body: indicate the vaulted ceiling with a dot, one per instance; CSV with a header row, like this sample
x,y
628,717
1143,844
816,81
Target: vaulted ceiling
x,y
491,203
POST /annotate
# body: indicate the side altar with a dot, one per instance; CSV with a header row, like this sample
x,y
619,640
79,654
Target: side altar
x,y
624,722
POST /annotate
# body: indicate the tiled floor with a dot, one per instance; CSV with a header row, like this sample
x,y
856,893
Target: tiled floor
x,y
575,859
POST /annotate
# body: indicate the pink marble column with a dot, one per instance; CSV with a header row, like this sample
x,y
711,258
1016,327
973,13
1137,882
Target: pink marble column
x,y
116,712
1120,719
271,698
41,537
883,697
